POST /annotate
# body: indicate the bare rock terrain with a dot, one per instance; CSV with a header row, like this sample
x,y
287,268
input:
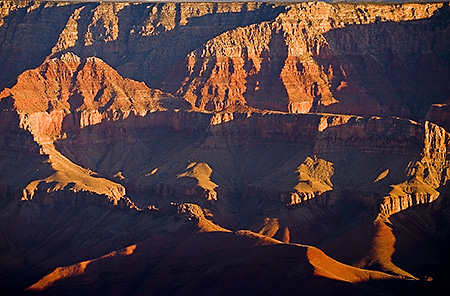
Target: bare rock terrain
x,y
224,148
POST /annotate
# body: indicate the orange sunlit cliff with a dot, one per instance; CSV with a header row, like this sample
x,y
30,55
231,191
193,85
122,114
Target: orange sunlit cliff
x,y
224,148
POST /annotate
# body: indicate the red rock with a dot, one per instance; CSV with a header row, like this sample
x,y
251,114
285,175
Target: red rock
x,y
69,93
236,160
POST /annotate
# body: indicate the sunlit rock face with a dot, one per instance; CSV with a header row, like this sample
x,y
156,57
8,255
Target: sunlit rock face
x,y
69,93
315,57
224,148
362,59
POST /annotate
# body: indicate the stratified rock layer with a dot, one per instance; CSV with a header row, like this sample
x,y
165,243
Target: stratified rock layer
x,y
316,57
362,59
76,93
172,147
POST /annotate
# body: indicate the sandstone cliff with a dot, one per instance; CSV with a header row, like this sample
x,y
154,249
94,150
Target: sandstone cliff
x,y
67,94
306,57
316,57
425,176
76,93
231,133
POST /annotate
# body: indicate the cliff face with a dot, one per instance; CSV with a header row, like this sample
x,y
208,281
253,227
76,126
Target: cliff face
x,y
76,93
21,161
425,176
329,137
439,114
28,32
65,95
129,36
301,123
348,59
307,57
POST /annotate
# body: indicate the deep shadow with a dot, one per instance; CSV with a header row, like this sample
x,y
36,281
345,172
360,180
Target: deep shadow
x,y
28,38
36,239
206,264
403,65
218,263
423,248
411,287
20,158
151,58
265,89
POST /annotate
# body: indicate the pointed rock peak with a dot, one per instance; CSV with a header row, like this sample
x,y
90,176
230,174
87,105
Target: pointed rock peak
x,y
69,84
94,60
5,93
69,57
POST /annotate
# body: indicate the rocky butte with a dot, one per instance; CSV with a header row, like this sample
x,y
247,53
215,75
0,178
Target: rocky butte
x,y
224,148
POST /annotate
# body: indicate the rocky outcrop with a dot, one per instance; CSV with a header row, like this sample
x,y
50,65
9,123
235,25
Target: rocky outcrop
x,y
314,177
425,175
63,96
440,115
313,181
202,173
46,194
73,184
362,59
406,195
373,135
301,62
69,93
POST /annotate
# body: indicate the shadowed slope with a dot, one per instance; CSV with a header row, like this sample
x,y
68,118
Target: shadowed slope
x,y
216,264
344,58
201,173
67,94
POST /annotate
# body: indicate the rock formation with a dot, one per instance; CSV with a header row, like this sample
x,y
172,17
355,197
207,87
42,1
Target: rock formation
x,y
76,93
301,64
439,114
185,148
201,172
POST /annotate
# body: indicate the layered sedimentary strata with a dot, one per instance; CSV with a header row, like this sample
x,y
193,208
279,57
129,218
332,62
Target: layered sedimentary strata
x,y
439,114
67,94
303,62
76,93
324,141
425,176
364,59
231,133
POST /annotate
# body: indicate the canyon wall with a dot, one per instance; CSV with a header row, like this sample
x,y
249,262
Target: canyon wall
x,y
162,128
361,59
228,77
344,58
425,176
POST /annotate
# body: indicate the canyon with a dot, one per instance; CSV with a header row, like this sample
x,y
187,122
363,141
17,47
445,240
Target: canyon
x,y
224,148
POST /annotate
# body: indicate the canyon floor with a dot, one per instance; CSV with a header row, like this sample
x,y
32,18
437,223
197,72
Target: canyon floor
x,y
224,148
